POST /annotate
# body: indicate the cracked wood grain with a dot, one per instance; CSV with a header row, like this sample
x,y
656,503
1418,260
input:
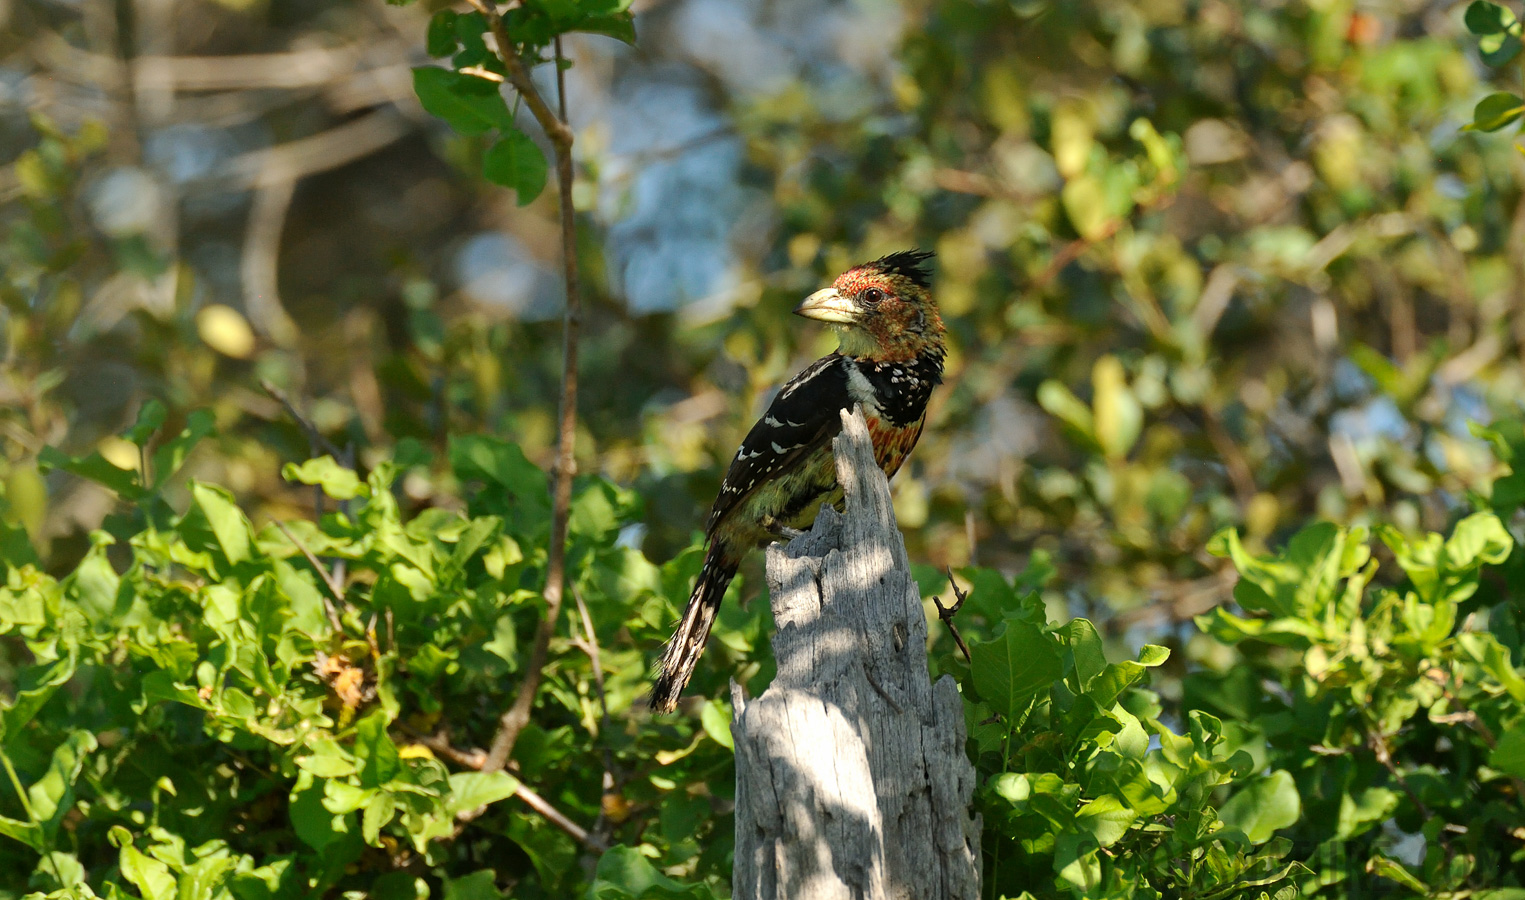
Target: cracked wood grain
x,y
851,776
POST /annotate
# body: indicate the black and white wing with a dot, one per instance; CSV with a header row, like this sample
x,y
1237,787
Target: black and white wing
x,y
805,415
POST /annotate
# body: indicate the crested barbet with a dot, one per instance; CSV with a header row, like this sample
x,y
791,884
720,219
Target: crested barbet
x,y
890,356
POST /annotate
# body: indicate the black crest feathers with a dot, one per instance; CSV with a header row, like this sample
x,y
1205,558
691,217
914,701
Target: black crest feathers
x,y
910,263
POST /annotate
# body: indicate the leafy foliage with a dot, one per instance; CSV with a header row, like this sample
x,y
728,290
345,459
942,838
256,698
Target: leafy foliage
x,y
238,711
468,96
1498,33
1331,718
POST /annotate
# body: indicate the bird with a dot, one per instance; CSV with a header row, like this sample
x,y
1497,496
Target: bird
x,y
891,347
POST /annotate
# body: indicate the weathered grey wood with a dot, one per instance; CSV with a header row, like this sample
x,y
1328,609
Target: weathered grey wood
x,y
851,776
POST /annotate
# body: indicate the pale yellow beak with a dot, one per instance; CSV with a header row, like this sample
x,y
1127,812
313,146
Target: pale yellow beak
x,y
828,306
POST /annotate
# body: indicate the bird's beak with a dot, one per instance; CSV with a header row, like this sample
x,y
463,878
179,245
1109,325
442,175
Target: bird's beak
x,y
828,306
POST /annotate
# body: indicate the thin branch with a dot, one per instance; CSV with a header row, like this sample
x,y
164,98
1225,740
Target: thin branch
x,y
441,746
1377,742
519,76
330,149
476,759
334,588
314,436
1240,474
1468,716
513,721
589,645
553,815
261,261
946,613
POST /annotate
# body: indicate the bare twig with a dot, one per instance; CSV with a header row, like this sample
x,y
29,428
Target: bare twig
x,y
314,437
440,745
477,759
1240,475
589,645
335,588
512,722
1377,742
261,259
315,442
580,834
327,150
1466,715
946,613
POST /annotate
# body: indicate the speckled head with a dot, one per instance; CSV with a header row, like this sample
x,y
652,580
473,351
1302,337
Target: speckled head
x,y
882,309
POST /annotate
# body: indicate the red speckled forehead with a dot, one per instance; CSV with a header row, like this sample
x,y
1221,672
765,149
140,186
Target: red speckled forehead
x,y
852,281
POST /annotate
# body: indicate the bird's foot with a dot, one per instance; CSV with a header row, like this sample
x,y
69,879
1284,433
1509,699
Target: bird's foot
x,y
782,532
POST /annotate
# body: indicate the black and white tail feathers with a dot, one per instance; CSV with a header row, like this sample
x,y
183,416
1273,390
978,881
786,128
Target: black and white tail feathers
x,y
687,643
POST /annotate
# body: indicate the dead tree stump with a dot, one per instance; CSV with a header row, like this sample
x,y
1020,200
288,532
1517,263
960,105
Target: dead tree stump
x,y
851,776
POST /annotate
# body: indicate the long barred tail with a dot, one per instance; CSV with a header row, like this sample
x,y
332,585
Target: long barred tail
x,y
687,643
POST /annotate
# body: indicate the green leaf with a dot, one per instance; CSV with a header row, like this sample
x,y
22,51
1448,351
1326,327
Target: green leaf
x,y
92,468
1479,539
160,686
341,797
1509,755
226,520
479,885
378,812
1106,687
328,759
1360,812
1263,806
1118,416
441,39
1085,201
716,719
475,456
1495,660
150,419
1483,17
471,105
1009,670
620,26
152,877
53,794
379,762
33,687
1059,402
1496,111
1085,646
313,824
472,790
26,832
1498,49
172,453
337,482
1300,583
203,879
1077,862
516,162
1394,871
1106,819
624,873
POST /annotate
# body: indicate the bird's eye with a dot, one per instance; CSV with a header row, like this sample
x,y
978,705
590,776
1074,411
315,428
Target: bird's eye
x,y
872,296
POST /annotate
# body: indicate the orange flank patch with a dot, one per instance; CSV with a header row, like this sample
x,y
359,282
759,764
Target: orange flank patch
x,y
892,444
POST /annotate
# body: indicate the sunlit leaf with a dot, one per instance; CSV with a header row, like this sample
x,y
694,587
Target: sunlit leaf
x,y
516,162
